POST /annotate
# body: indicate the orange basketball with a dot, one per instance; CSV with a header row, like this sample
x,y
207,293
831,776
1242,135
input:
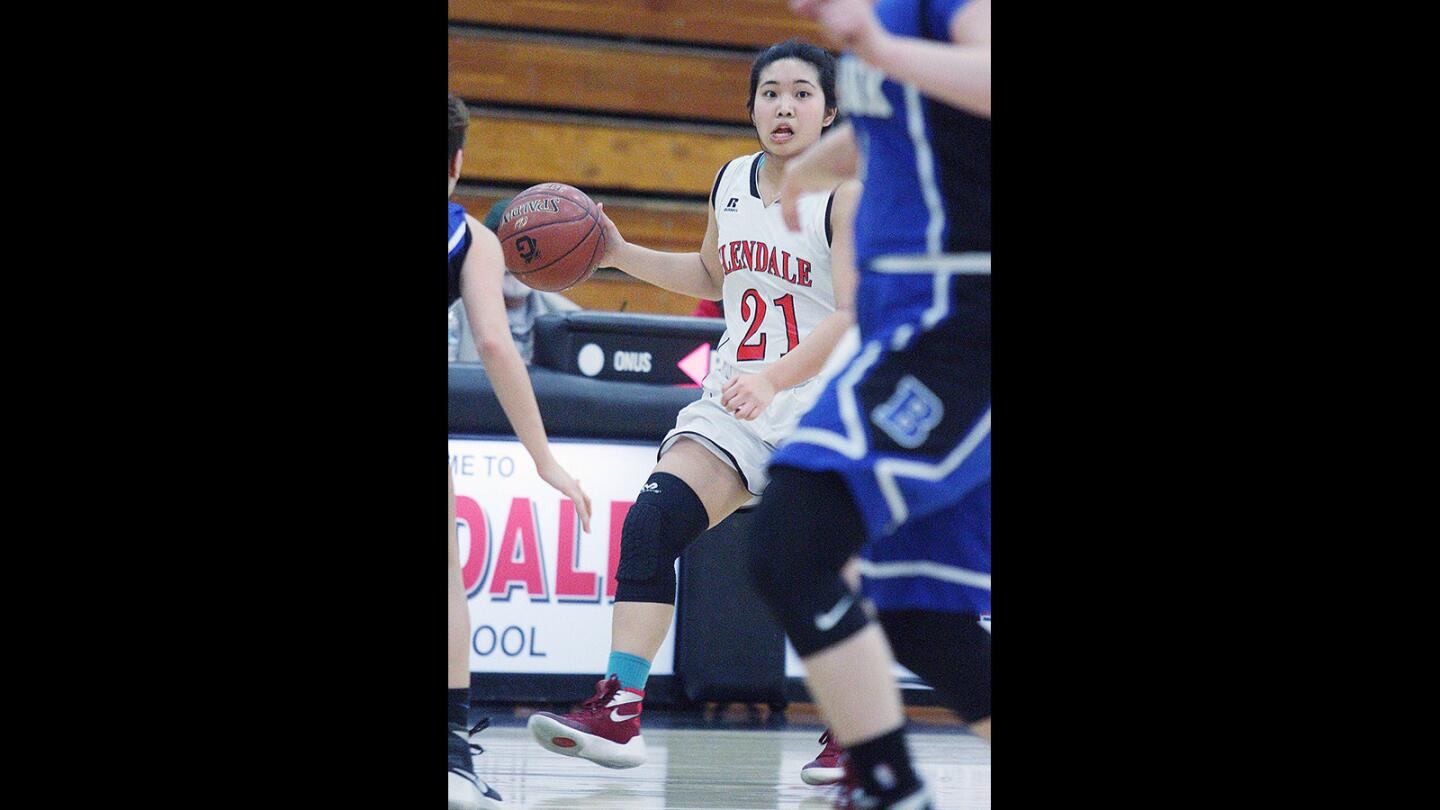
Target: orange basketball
x,y
551,236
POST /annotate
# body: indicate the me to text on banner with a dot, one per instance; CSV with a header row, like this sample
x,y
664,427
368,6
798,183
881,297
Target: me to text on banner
x,y
539,588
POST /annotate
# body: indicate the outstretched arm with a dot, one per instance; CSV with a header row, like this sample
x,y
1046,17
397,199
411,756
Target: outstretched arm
x,y
480,281
697,274
957,73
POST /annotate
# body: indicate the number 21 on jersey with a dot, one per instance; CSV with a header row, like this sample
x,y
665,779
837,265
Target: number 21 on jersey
x,y
751,304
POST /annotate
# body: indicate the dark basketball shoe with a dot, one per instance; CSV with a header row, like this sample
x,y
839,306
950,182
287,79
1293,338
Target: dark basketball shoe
x,y
605,729
825,769
853,796
468,791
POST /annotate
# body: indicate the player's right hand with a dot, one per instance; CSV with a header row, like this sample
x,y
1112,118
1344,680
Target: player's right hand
x,y
556,476
613,240
747,395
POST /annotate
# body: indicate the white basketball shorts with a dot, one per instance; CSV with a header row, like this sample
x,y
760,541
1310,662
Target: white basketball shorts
x,y
745,445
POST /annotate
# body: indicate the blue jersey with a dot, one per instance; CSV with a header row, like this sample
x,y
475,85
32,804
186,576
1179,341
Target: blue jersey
x,y
459,246
926,168
938,562
905,419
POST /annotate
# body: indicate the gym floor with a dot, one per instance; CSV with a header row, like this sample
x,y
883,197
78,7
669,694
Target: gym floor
x,y
731,756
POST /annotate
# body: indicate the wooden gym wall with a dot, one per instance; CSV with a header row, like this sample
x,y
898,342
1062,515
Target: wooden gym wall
x,y
635,102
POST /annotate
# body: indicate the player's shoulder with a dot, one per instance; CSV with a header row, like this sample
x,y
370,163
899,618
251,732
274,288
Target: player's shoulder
x,y
847,194
967,22
740,162
481,233
840,203
734,170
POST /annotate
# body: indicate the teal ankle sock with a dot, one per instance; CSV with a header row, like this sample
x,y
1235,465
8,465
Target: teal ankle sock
x,y
632,670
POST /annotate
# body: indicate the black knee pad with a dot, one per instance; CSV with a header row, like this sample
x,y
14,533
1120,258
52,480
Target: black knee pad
x,y
950,651
667,517
807,526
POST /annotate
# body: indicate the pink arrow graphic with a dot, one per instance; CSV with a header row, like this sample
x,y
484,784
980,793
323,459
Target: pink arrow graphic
x,y
696,364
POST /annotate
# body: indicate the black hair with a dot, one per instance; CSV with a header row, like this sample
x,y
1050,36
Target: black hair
x,y
796,49
459,120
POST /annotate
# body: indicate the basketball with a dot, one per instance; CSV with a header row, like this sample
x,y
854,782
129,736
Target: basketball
x,y
551,236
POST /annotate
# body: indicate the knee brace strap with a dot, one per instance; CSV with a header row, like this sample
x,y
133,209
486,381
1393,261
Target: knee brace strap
x,y
667,517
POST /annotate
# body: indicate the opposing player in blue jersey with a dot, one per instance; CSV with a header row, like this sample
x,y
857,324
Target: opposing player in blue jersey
x,y
894,459
476,270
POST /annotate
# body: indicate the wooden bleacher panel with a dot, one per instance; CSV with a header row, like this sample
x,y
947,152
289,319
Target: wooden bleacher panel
x,y
599,76
675,227
613,291
589,154
743,23
561,60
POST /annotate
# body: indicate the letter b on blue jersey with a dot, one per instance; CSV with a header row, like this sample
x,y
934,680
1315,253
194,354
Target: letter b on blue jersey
x,y
910,413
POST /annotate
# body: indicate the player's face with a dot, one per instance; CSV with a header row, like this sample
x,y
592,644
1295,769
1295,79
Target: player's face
x,y
789,107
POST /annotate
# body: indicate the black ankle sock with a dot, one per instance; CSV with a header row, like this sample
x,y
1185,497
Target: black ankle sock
x,y
460,707
883,766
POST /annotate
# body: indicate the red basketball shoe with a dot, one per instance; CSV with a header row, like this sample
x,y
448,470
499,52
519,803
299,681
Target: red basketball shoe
x,y
825,769
605,729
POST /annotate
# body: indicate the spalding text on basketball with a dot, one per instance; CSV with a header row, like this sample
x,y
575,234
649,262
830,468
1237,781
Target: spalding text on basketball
x,y
530,207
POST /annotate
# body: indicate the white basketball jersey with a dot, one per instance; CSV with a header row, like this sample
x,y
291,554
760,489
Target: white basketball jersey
x,y
777,282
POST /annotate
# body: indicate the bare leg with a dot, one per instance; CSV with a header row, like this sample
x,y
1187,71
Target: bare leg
x,y
859,665
459,624
860,726
638,628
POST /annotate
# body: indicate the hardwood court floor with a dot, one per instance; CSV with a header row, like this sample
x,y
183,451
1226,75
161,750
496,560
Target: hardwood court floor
x,y
713,768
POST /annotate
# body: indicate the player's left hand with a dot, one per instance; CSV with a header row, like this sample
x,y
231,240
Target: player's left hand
x,y
747,395
553,474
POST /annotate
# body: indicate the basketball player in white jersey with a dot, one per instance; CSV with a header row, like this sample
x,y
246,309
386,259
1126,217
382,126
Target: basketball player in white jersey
x,y
779,290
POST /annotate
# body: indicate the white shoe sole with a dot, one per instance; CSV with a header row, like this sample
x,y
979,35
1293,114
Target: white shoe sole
x,y
586,746
821,776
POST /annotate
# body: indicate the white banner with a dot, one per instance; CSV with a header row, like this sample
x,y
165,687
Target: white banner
x,y
540,590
